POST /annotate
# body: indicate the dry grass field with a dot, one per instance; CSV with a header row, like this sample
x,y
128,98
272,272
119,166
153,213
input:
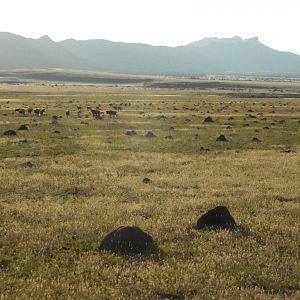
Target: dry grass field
x,y
86,179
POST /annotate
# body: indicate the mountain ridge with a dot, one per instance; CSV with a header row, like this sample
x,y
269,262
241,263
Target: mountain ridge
x,y
208,55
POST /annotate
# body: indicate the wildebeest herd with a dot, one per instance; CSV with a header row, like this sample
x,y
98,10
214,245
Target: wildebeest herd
x,y
96,113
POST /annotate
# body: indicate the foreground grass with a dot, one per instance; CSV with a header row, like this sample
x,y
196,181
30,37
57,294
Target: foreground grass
x,y
87,180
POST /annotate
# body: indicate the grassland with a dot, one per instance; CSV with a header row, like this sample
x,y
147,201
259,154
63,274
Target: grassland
x,y
87,179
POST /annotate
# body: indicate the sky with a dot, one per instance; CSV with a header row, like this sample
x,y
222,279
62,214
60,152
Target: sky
x,y
156,22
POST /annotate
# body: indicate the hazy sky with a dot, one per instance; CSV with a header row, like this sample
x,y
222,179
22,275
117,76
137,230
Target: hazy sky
x,y
156,22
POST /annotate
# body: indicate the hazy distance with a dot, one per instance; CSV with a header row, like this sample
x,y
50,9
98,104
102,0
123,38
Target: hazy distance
x,y
168,22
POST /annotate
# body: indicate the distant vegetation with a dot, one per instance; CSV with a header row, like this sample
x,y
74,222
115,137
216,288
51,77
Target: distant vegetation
x,y
234,83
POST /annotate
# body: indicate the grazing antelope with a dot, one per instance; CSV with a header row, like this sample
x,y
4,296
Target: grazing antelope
x,y
111,113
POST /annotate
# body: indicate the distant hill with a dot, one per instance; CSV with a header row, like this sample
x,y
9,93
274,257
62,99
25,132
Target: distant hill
x,y
209,55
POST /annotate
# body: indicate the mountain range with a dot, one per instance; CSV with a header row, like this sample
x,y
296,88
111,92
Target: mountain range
x,y
209,55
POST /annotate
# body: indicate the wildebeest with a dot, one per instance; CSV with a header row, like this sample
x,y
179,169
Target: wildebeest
x,y
96,114
21,111
67,113
111,113
39,111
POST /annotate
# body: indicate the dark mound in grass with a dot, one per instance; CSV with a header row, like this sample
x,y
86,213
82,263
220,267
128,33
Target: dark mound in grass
x,y
150,134
169,297
208,120
3,264
204,149
146,180
131,133
216,218
129,240
27,164
221,138
169,137
10,133
23,127
287,151
256,140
